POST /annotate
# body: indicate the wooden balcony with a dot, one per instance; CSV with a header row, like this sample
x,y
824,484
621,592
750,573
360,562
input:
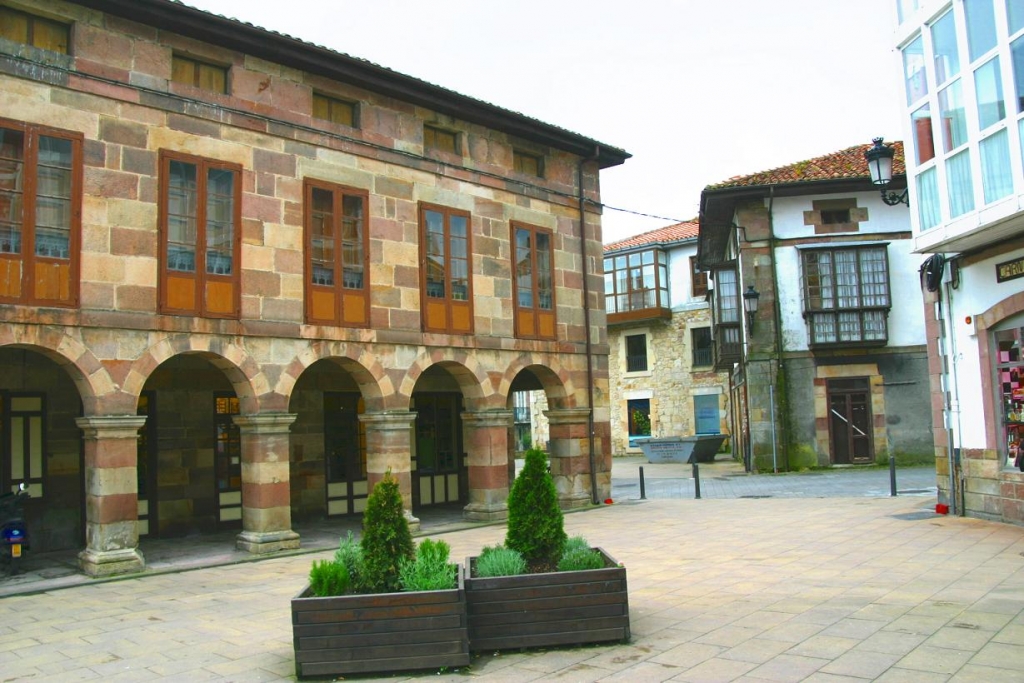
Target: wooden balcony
x,y
728,345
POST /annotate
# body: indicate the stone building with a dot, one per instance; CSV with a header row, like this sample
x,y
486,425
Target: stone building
x,y
831,368
660,362
243,276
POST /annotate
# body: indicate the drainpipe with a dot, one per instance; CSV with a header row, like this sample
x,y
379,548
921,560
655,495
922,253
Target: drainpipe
x,y
586,327
783,406
954,398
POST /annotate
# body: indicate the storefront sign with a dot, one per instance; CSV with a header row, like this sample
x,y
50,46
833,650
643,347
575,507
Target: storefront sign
x,y
1010,270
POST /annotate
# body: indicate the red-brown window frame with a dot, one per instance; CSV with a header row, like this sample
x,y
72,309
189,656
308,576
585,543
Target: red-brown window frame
x,y
197,66
27,260
463,308
336,103
698,280
534,322
32,20
432,135
350,305
203,279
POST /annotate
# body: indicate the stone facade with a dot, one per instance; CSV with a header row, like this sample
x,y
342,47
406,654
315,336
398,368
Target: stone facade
x,y
91,362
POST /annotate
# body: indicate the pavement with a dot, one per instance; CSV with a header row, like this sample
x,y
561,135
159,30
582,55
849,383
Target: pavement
x,y
765,578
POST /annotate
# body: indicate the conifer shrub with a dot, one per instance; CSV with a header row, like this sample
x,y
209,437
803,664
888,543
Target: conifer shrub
x,y
386,540
350,554
535,522
499,561
327,578
430,570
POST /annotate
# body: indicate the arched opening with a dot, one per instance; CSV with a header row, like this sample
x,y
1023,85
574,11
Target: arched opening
x,y
439,470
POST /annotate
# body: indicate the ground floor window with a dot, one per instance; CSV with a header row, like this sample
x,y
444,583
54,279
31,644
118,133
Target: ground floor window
x,y
638,412
1010,371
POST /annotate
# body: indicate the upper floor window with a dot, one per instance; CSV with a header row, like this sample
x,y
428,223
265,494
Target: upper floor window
x,y
636,282
636,353
446,292
199,74
530,164
700,342
335,110
981,27
727,299
915,80
846,294
28,29
440,139
534,282
337,247
40,214
698,280
200,244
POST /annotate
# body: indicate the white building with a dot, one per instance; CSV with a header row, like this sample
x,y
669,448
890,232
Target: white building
x,y
963,67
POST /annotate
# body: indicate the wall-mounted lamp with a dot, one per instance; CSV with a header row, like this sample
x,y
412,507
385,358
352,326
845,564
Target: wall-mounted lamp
x,y
879,160
750,298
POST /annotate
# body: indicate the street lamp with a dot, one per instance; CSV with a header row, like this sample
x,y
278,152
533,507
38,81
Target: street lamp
x,y
750,298
879,158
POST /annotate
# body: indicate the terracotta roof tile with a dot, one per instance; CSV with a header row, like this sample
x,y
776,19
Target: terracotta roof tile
x,y
680,232
846,163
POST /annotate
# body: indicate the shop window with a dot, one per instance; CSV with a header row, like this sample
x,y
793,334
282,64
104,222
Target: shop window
x,y
200,241
202,75
1010,373
534,282
40,214
638,413
334,110
445,283
636,353
529,164
337,249
28,29
440,139
846,295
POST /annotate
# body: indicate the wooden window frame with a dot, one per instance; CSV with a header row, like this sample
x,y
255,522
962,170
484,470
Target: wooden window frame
x,y
635,361
447,307
537,160
32,20
349,305
197,65
25,277
634,297
205,283
698,280
701,357
816,310
534,321
335,102
430,139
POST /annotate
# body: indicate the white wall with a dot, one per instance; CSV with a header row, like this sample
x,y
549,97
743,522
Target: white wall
x,y
680,286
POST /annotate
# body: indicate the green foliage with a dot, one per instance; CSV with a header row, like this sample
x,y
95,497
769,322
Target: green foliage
x,y
386,540
574,543
430,570
802,457
350,554
499,561
578,559
535,523
327,578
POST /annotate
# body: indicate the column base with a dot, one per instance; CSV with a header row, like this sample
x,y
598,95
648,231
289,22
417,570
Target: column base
x,y
482,512
575,501
261,543
111,562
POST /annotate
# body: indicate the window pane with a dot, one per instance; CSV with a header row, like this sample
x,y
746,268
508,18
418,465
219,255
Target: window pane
x,y
322,237
524,268
874,277
951,113
220,233
352,241
182,198
996,180
928,199
947,60
1017,55
924,142
49,35
981,27
545,282
14,25
12,170
988,87
914,72
725,295
959,184
435,255
1015,15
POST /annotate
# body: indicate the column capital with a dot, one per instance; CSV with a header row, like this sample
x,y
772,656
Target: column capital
x,y
110,426
264,423
567,416
487,418
389,421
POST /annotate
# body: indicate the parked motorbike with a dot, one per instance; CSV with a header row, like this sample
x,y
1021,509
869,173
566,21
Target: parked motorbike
x,y
13,531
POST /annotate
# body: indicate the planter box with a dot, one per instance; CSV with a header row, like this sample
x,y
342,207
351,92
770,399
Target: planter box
x,y
380,632
542,610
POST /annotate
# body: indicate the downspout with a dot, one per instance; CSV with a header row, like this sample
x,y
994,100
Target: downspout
x,y
783,406
953,408
586,327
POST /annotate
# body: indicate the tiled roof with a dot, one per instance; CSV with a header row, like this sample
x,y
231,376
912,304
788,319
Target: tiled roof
x,y
680,232
845,164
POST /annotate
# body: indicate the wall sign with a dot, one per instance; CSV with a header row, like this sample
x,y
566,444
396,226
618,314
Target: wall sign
x,y
1010,270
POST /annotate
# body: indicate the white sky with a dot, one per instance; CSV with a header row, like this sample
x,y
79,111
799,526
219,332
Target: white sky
x,y
696,90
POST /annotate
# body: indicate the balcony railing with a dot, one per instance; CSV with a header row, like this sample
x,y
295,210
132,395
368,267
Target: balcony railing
x,y
703,357
636,363
728,347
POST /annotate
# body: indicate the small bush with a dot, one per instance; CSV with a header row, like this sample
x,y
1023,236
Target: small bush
x,y
430,570
386,540
327,578
499,561
574,543
350,554
535,523
579,559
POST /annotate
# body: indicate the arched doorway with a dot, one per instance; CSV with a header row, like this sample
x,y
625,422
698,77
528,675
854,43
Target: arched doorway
x,y
439,474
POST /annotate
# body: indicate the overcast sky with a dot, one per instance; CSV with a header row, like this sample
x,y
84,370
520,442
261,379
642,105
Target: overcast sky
x,y
696,90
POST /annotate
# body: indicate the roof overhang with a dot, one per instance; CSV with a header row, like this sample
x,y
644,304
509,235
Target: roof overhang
x,y
175,17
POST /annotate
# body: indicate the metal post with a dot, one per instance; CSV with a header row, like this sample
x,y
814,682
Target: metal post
x,y
696,481
643,490
892,474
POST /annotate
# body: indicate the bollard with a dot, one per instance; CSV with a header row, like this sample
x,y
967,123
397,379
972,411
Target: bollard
x,y
643,491
696,481
892,475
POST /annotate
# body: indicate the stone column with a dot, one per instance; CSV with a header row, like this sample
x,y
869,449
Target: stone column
x,y
389,447
111,495
266,498
568,446
486,437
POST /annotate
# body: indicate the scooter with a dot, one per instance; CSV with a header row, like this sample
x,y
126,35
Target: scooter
x,y
13,532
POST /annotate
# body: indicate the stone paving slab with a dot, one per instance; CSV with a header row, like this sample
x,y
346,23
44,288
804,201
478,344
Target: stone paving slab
x,y
777,589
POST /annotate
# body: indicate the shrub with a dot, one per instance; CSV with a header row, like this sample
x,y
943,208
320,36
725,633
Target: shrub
x,y
535,523
350,554
386,538
328,578
499,561
578,559
575,543
430,570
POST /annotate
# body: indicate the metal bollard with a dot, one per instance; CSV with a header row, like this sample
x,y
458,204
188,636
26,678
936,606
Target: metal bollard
x,y
696,480
892,475
643,491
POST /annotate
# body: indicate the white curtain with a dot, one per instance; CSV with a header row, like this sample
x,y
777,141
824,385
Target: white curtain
x,y
959,184
928,199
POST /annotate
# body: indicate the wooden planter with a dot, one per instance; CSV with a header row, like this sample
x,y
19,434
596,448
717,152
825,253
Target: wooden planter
x,y
380,632
541,610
